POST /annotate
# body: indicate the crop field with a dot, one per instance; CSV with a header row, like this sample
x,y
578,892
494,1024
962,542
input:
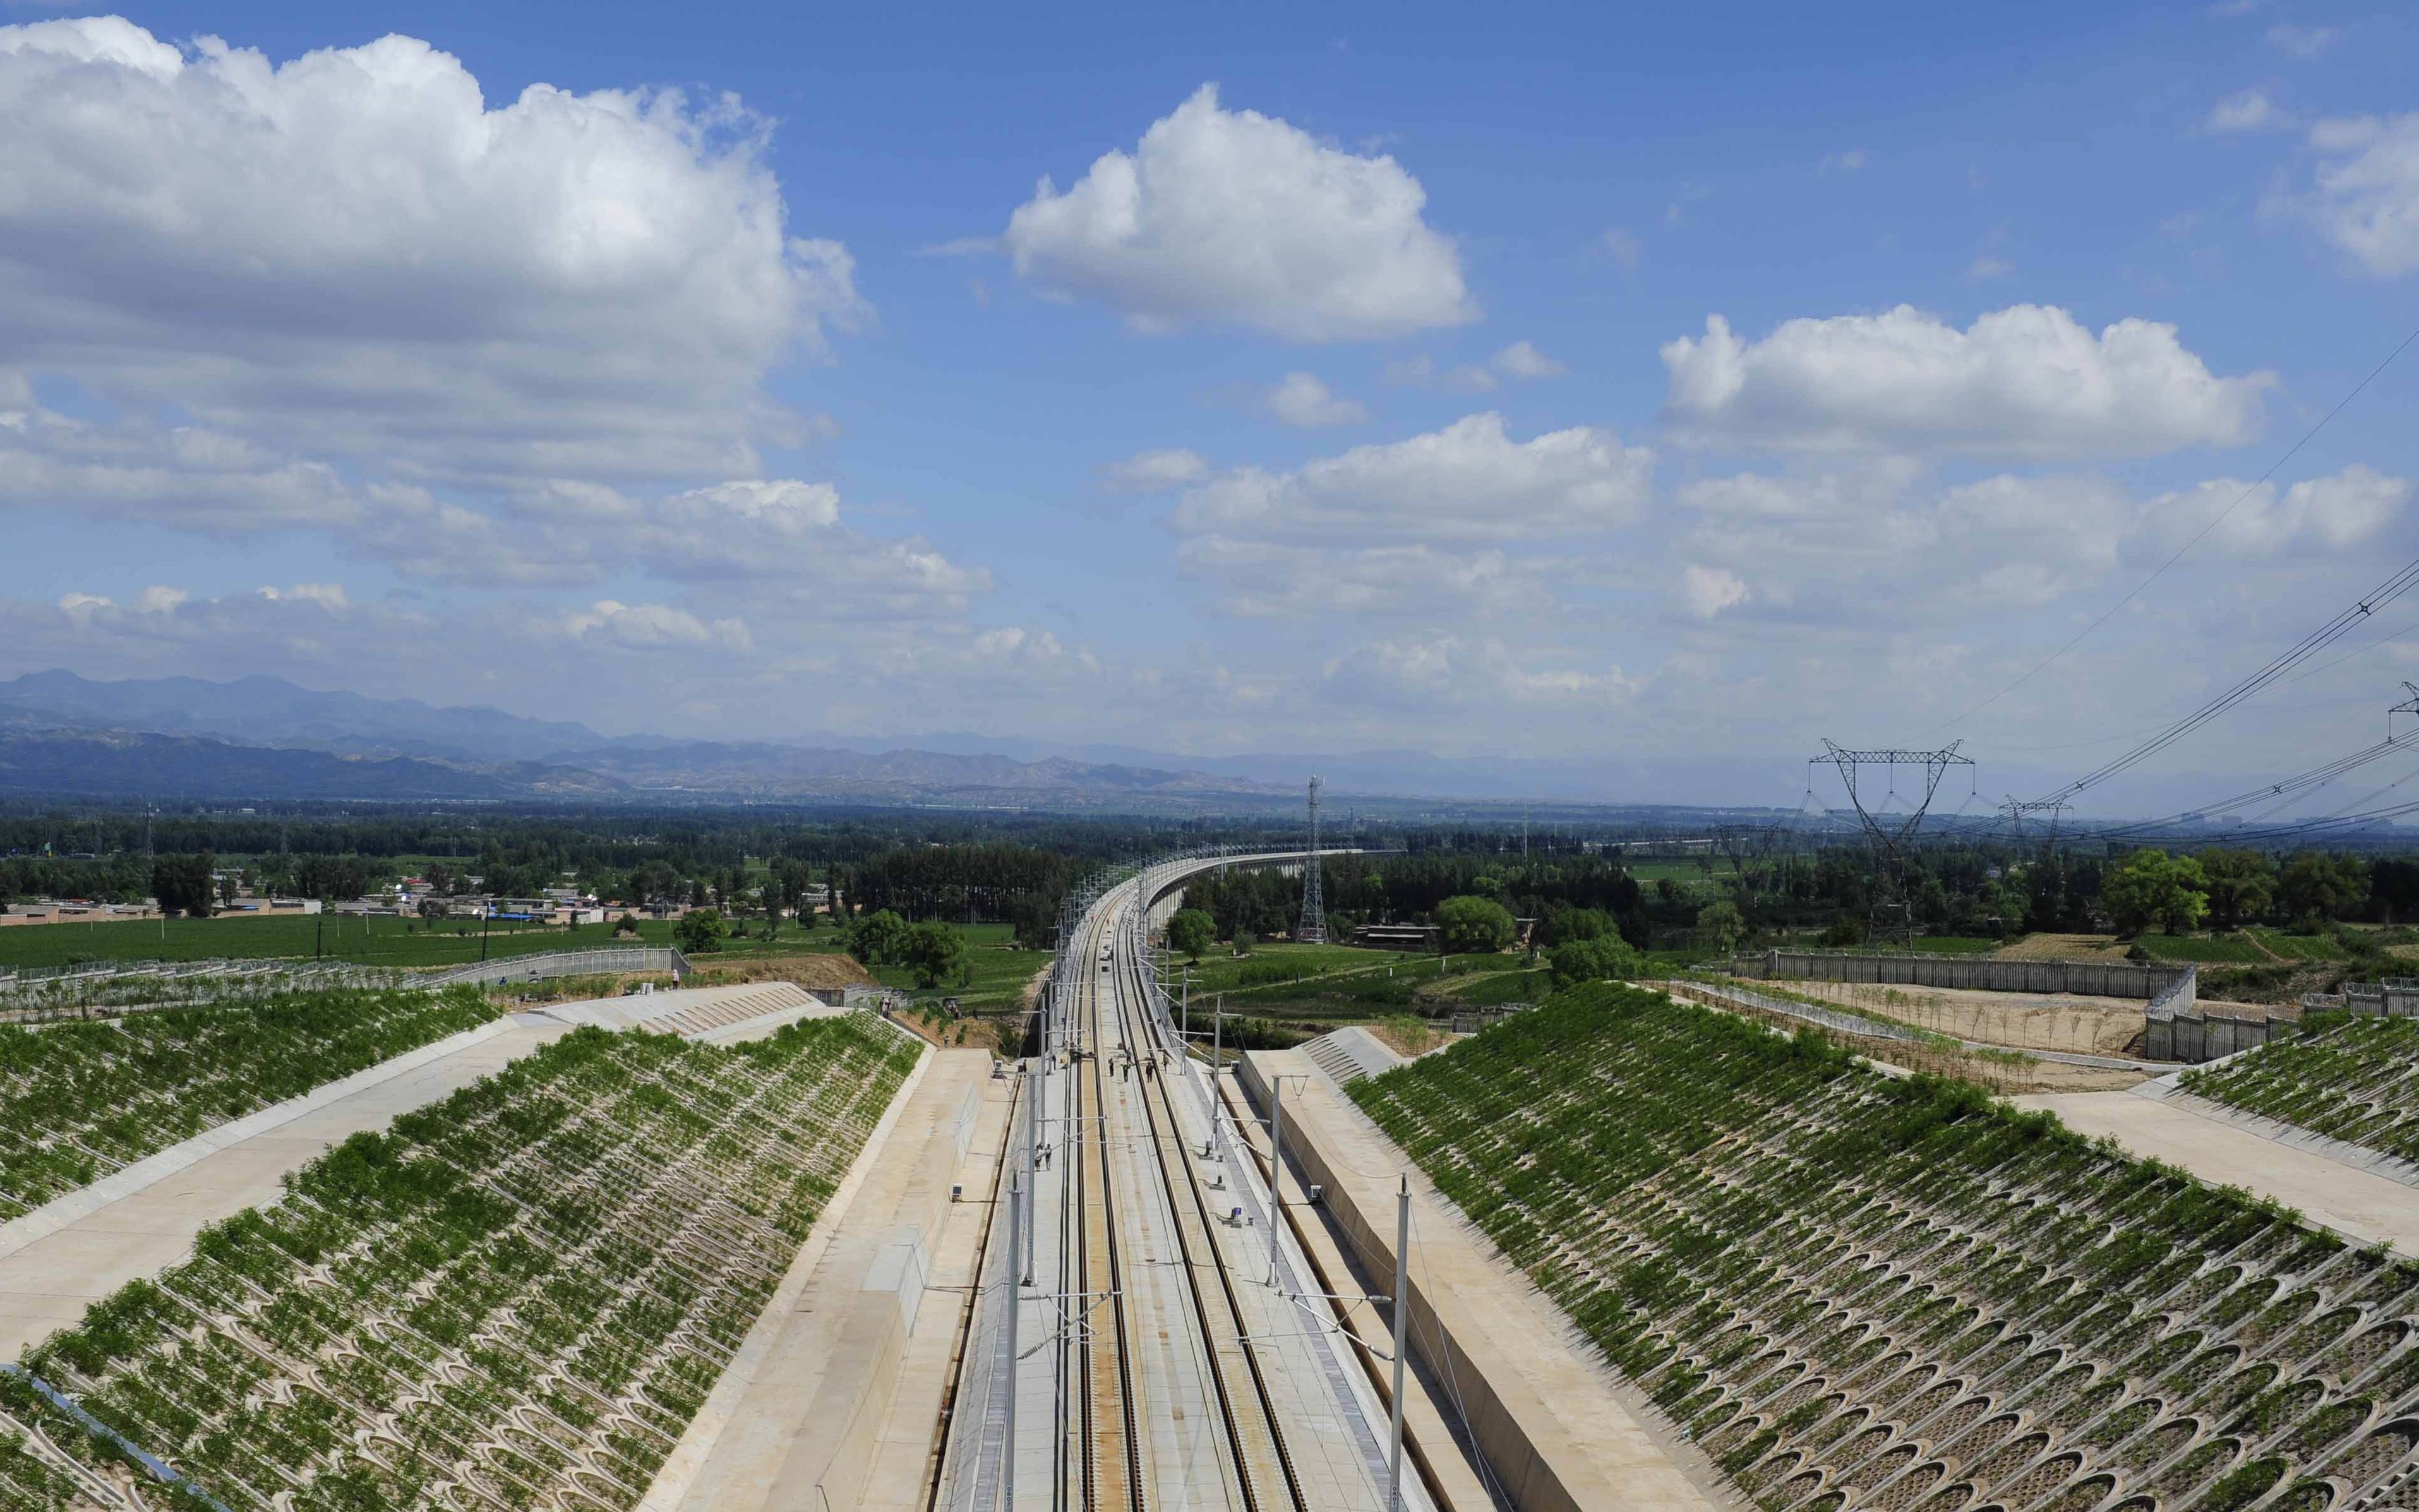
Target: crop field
x,y
1861,1292
2353,1077
81,1100
367,941
515,1297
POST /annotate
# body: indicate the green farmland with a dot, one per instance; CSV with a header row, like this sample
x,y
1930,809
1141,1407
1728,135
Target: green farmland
x,y
377,941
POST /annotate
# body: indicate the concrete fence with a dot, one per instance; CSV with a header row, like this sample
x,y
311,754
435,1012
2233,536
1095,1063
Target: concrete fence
x,y
2192,1037
632,959
2396,997
2088,979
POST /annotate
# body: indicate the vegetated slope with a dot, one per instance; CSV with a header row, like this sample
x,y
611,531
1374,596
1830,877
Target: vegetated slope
x,y
517,1296
1861,1292
2352,1076
81,1100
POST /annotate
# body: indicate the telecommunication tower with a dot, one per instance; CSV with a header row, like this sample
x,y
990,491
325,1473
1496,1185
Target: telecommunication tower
x,y
1313,907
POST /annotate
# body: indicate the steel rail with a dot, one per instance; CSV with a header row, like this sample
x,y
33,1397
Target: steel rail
x,y
1284,1456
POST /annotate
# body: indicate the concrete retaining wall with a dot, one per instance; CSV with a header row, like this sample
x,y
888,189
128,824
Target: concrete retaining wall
x,y
507,969
2088,979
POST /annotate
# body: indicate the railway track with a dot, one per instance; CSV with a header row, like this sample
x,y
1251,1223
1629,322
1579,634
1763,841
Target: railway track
x,y
1157,1370
1253,1430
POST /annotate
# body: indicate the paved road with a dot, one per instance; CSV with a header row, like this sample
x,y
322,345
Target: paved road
x,y
2357,1204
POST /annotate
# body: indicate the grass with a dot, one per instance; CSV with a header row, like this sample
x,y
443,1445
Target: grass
x,y
2203,950
382,942
80,1101
2303,946
1842,1285
2346,1076
526,1290
999,971
1954,945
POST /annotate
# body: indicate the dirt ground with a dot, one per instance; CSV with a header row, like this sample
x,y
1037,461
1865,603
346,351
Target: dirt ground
x,y
1409,1037
2062,947
2020,1021
2004,1072
808,969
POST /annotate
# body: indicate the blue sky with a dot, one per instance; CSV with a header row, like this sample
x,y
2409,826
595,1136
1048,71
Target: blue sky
x,y
537,406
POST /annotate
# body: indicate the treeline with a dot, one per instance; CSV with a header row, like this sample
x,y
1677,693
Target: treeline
x,y
1391,889
1019,884
985,866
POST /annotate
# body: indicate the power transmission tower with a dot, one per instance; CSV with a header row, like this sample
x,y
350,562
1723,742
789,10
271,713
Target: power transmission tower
x,y
1313,907
2017,809
1892,836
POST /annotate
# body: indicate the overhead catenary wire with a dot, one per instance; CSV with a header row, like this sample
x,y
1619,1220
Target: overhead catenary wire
x,y
2215,521
2250,687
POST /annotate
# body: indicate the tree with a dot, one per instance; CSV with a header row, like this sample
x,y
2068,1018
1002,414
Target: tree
x,y
2154,887
2395,887
1604,957
1192,932
878,939
182,884
1474,926
432,907
934,951
1564,924
628,924
2241,885
700,932
2316,887
1721,924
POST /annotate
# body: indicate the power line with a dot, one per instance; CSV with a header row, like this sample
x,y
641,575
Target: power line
x,y
2160,570
2257,682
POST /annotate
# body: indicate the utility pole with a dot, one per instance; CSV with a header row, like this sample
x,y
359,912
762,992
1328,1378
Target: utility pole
x,y
1402,1337
1015,1304
1276,1169
1032,1144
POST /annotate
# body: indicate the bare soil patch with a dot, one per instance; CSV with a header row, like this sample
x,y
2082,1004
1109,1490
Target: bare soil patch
x,y
2020,1021
808,969
1409,1037
2062,947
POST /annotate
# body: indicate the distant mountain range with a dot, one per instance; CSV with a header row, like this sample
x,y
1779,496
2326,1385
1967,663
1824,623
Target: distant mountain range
x,y
262,737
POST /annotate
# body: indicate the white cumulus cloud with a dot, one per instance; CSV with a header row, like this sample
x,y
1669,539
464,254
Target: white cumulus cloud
x,y
2365,198
652,626
1468,482
1522,360
1157,470
1302,399
355,256
2029,381
2250,111
1705,592
1235,217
